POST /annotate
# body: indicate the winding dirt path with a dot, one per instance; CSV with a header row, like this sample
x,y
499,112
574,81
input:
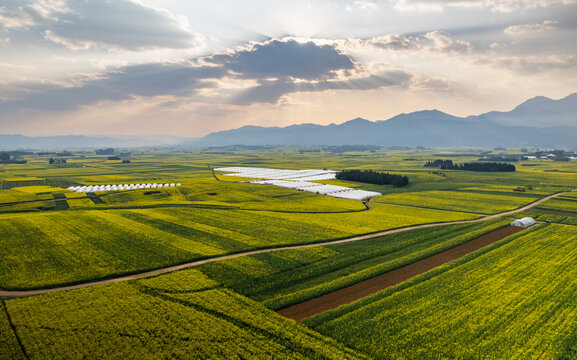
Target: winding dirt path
x,y
9,294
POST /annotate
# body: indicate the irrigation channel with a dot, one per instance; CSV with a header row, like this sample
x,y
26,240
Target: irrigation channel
x,y
10,294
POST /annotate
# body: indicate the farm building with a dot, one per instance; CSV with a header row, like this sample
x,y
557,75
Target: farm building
x,y
524,222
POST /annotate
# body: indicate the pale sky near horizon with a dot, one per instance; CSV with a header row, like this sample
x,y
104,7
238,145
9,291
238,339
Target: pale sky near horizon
x,y
187,68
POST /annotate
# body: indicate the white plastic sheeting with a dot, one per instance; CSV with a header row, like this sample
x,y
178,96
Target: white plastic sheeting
x,y
115,187
524,222
300,180
278,174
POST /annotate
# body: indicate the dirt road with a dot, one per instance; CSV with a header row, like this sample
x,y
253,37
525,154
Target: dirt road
x,y
8,294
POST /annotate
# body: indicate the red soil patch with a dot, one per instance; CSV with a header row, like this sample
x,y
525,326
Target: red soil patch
x,y
367,287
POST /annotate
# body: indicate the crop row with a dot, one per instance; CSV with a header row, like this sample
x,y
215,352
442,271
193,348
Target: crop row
x,y
47,249
287,277
514,302
459,201
560,204
5,185
560,219
138,321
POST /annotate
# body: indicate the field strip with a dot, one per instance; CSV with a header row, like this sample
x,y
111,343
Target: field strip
x,y
370,286
423,207
8,294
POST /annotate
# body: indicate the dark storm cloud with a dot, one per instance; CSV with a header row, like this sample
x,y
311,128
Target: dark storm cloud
x,y
279,59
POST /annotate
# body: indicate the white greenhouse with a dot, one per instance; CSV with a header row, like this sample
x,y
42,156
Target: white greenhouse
x,y
524,222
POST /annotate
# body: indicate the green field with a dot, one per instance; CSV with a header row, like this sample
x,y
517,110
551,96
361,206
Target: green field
x,y
63,247
475,202
288,277
507,303
562,204
178,316
512,299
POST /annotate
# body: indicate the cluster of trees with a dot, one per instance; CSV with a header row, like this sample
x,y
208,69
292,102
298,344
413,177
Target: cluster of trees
x,y
53,161
373,177
109,151
6,159
486,167
439,163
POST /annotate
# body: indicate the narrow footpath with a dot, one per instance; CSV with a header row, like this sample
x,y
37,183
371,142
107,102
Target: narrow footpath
x,y
9,294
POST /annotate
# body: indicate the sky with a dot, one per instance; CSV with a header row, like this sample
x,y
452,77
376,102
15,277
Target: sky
x,y
191,67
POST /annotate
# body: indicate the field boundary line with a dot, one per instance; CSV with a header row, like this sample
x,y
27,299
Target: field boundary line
x,y
10,294
13,327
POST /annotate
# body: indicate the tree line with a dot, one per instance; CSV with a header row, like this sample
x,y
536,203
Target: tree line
x,y
477,166
485,167
438,163
373,177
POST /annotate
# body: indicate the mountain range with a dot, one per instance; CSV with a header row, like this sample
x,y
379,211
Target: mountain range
x,y
540,121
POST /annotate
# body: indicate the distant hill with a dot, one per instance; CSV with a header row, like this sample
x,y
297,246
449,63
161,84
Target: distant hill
x,y
11,142
540,112
537,122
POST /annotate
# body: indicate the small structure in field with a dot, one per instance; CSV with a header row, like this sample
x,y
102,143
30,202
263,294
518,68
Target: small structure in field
x,y
524,222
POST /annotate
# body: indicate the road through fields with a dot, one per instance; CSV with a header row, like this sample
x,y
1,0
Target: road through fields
x,y
9,294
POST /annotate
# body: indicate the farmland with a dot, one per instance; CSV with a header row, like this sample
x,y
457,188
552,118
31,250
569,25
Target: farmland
x,y
504,303
224,309
287,277
55,248
186,311
562,204
459,201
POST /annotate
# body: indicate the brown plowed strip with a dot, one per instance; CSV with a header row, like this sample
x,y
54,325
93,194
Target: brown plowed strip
x,y
367,287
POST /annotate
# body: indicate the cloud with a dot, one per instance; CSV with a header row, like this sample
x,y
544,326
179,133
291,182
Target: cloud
x,y
362,5
533,65
279,67
271,92
108,24
439,42
148,80
434,84
493,5
547,25
280,59
17,17
260,73
442,42
394,42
